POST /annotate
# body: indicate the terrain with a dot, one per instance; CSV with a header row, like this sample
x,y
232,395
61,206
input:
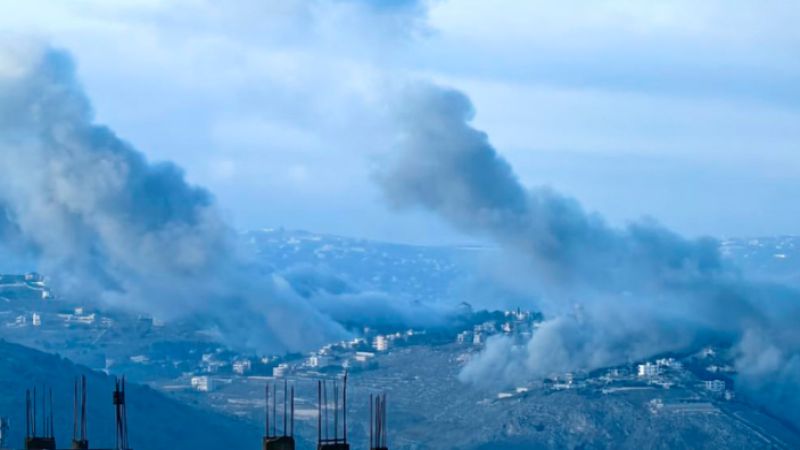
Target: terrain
x,y
678,406
155,421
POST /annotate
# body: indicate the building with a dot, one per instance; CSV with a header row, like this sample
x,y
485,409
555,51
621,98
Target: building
x,y
356,342
464,337
364,356
280,371
140,359
477,339
648,369
87,319
203,383
669,362
242,366
319,361
381,343
34,277
36,319
715,386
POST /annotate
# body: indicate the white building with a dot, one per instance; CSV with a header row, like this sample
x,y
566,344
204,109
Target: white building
x,y
36,319
380,343
356,342
34,277
280,371
477,339
364,356
87,319
707,352
648,369
140,359
319,361
669,362
203,383
242,366
464,337
715,386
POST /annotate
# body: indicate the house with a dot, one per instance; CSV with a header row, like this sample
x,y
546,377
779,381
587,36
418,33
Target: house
x,y
202,383
242,366
280,371
381,343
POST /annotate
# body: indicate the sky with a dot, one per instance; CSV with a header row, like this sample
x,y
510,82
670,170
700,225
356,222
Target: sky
x,y
687,112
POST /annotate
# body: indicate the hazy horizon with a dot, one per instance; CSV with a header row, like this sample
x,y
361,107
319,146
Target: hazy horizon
x,y
679,112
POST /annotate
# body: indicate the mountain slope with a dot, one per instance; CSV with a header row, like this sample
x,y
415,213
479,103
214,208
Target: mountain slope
x,y
155,422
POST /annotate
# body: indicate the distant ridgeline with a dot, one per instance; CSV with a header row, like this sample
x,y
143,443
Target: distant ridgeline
x,y
28,286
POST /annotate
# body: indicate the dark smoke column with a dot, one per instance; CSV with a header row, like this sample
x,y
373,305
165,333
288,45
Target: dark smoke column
x,y
105,223
611,295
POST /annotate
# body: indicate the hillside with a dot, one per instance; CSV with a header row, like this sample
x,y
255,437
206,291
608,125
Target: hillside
x,y
155,422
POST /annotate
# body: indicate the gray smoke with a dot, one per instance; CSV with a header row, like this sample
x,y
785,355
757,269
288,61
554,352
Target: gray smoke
x,y
612,295
107,224
351,305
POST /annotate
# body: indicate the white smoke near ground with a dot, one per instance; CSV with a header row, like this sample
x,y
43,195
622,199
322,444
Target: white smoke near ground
x,y
611,295
107,224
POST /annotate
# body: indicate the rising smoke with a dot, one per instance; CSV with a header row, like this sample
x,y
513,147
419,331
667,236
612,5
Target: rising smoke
x,y
355,307
612,295
107,224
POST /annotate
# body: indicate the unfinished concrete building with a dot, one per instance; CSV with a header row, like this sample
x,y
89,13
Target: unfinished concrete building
x,y
327,440
33,439
377,422
79,434
271,440
39,432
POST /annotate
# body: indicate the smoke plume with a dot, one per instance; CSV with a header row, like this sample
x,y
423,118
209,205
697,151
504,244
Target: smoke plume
x,y
107,224
612,295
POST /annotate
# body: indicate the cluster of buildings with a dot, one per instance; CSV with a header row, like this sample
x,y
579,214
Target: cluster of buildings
x,y
27,286
353,355
358,353
77,317
653,369
514,323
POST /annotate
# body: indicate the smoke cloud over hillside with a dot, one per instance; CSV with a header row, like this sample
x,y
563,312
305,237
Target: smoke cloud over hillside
x,y
612,295
104,222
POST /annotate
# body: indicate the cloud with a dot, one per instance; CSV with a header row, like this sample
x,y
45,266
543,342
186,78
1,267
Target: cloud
x,y
611,295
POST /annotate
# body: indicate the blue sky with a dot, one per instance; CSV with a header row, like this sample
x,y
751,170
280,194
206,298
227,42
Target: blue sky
x,y
685,111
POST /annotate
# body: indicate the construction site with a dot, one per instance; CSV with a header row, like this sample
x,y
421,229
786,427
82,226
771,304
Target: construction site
x,y
279,418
